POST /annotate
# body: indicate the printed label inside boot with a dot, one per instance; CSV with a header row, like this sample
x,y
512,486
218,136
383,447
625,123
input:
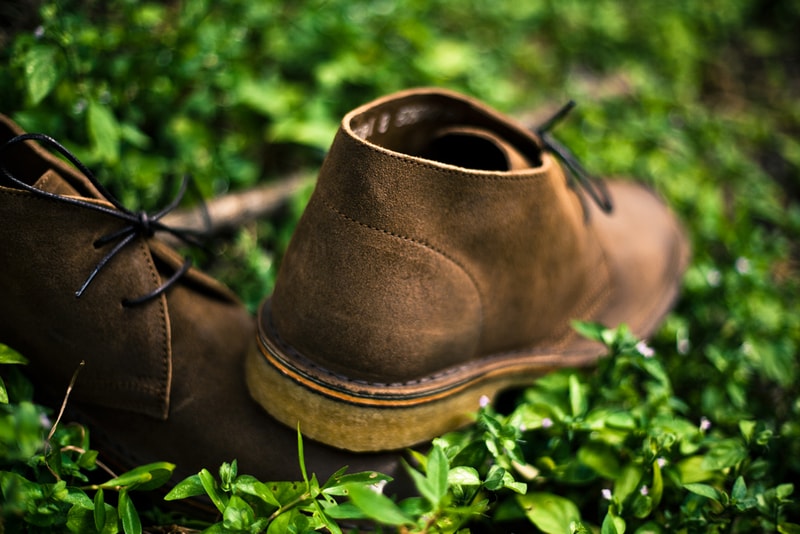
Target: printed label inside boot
x,y
381,121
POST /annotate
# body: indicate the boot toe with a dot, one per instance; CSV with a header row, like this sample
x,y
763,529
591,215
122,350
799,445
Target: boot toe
x,y
646,252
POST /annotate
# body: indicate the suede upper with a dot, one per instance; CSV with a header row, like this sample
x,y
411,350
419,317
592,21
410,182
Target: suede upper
x,y
404,265
163,380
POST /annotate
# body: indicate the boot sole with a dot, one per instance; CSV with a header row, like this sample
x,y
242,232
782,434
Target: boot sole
x,y
362,416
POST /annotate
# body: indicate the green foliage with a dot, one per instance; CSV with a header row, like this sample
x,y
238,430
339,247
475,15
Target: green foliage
x,y
697,432
48,472
572,455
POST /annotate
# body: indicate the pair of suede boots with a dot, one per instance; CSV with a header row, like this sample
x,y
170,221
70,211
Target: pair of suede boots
x,y
441,258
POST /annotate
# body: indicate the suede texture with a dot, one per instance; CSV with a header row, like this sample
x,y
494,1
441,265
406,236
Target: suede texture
x,y
162,381
406,264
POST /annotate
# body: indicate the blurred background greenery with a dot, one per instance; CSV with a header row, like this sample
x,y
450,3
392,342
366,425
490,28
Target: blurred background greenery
x,y
699,99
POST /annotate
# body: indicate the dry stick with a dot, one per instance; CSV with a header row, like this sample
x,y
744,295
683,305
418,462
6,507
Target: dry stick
x,y
60,414
231,211
66,398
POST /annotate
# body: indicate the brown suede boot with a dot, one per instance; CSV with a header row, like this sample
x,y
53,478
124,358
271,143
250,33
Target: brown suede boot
x,y
442,257
163,344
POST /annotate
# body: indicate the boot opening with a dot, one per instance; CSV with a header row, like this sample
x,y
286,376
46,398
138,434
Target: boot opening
x,y
413,125
468,151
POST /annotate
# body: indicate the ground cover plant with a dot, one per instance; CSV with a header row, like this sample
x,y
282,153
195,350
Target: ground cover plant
x,y
697,430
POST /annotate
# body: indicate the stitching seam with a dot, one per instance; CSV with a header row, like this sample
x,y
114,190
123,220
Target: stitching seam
x,y
421,244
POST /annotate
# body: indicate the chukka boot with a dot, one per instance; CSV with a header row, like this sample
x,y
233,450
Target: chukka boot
x,y
84,279
442,257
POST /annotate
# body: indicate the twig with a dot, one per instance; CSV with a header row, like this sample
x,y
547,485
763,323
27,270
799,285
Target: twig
x,y
66,398
230,211
97,462
61,413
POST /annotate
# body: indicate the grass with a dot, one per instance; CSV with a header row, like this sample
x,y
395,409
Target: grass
x,y
696,99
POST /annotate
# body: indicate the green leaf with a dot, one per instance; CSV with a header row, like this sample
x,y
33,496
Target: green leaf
x,y
437,473
104,132
336,485
693,469
79,497
747,428
494,479
783,491
739,491
80,520
548,512
270,98
227,474
642,506
345,510
301,454
3,392
131,523
464,476
41,72
620,420
627,482
238,515
10,356
88,459
99,510
294,522
602,458
499,478
705,490
133,135
593,331
251,486
513,485
378,507
279,525
422,483
577,397
212,490
145,477
287,492
191,486
325,520
657,489
612,524
651,527
724,453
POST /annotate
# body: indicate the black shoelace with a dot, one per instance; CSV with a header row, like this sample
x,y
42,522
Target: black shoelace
x,y
138,223
577,175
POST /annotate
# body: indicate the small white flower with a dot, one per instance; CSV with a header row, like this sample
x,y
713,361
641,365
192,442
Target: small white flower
x,y
661,461
713,277
79,106
705,424
742,265
547,422
523,427
378,486
484,401
606,494
643,490
645,350
45,421
38,32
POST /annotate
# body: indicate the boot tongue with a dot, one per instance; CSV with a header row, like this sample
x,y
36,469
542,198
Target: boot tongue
x,y
52,182
475,148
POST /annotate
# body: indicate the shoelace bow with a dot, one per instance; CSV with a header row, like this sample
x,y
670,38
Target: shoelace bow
x,y
138,223
578,175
